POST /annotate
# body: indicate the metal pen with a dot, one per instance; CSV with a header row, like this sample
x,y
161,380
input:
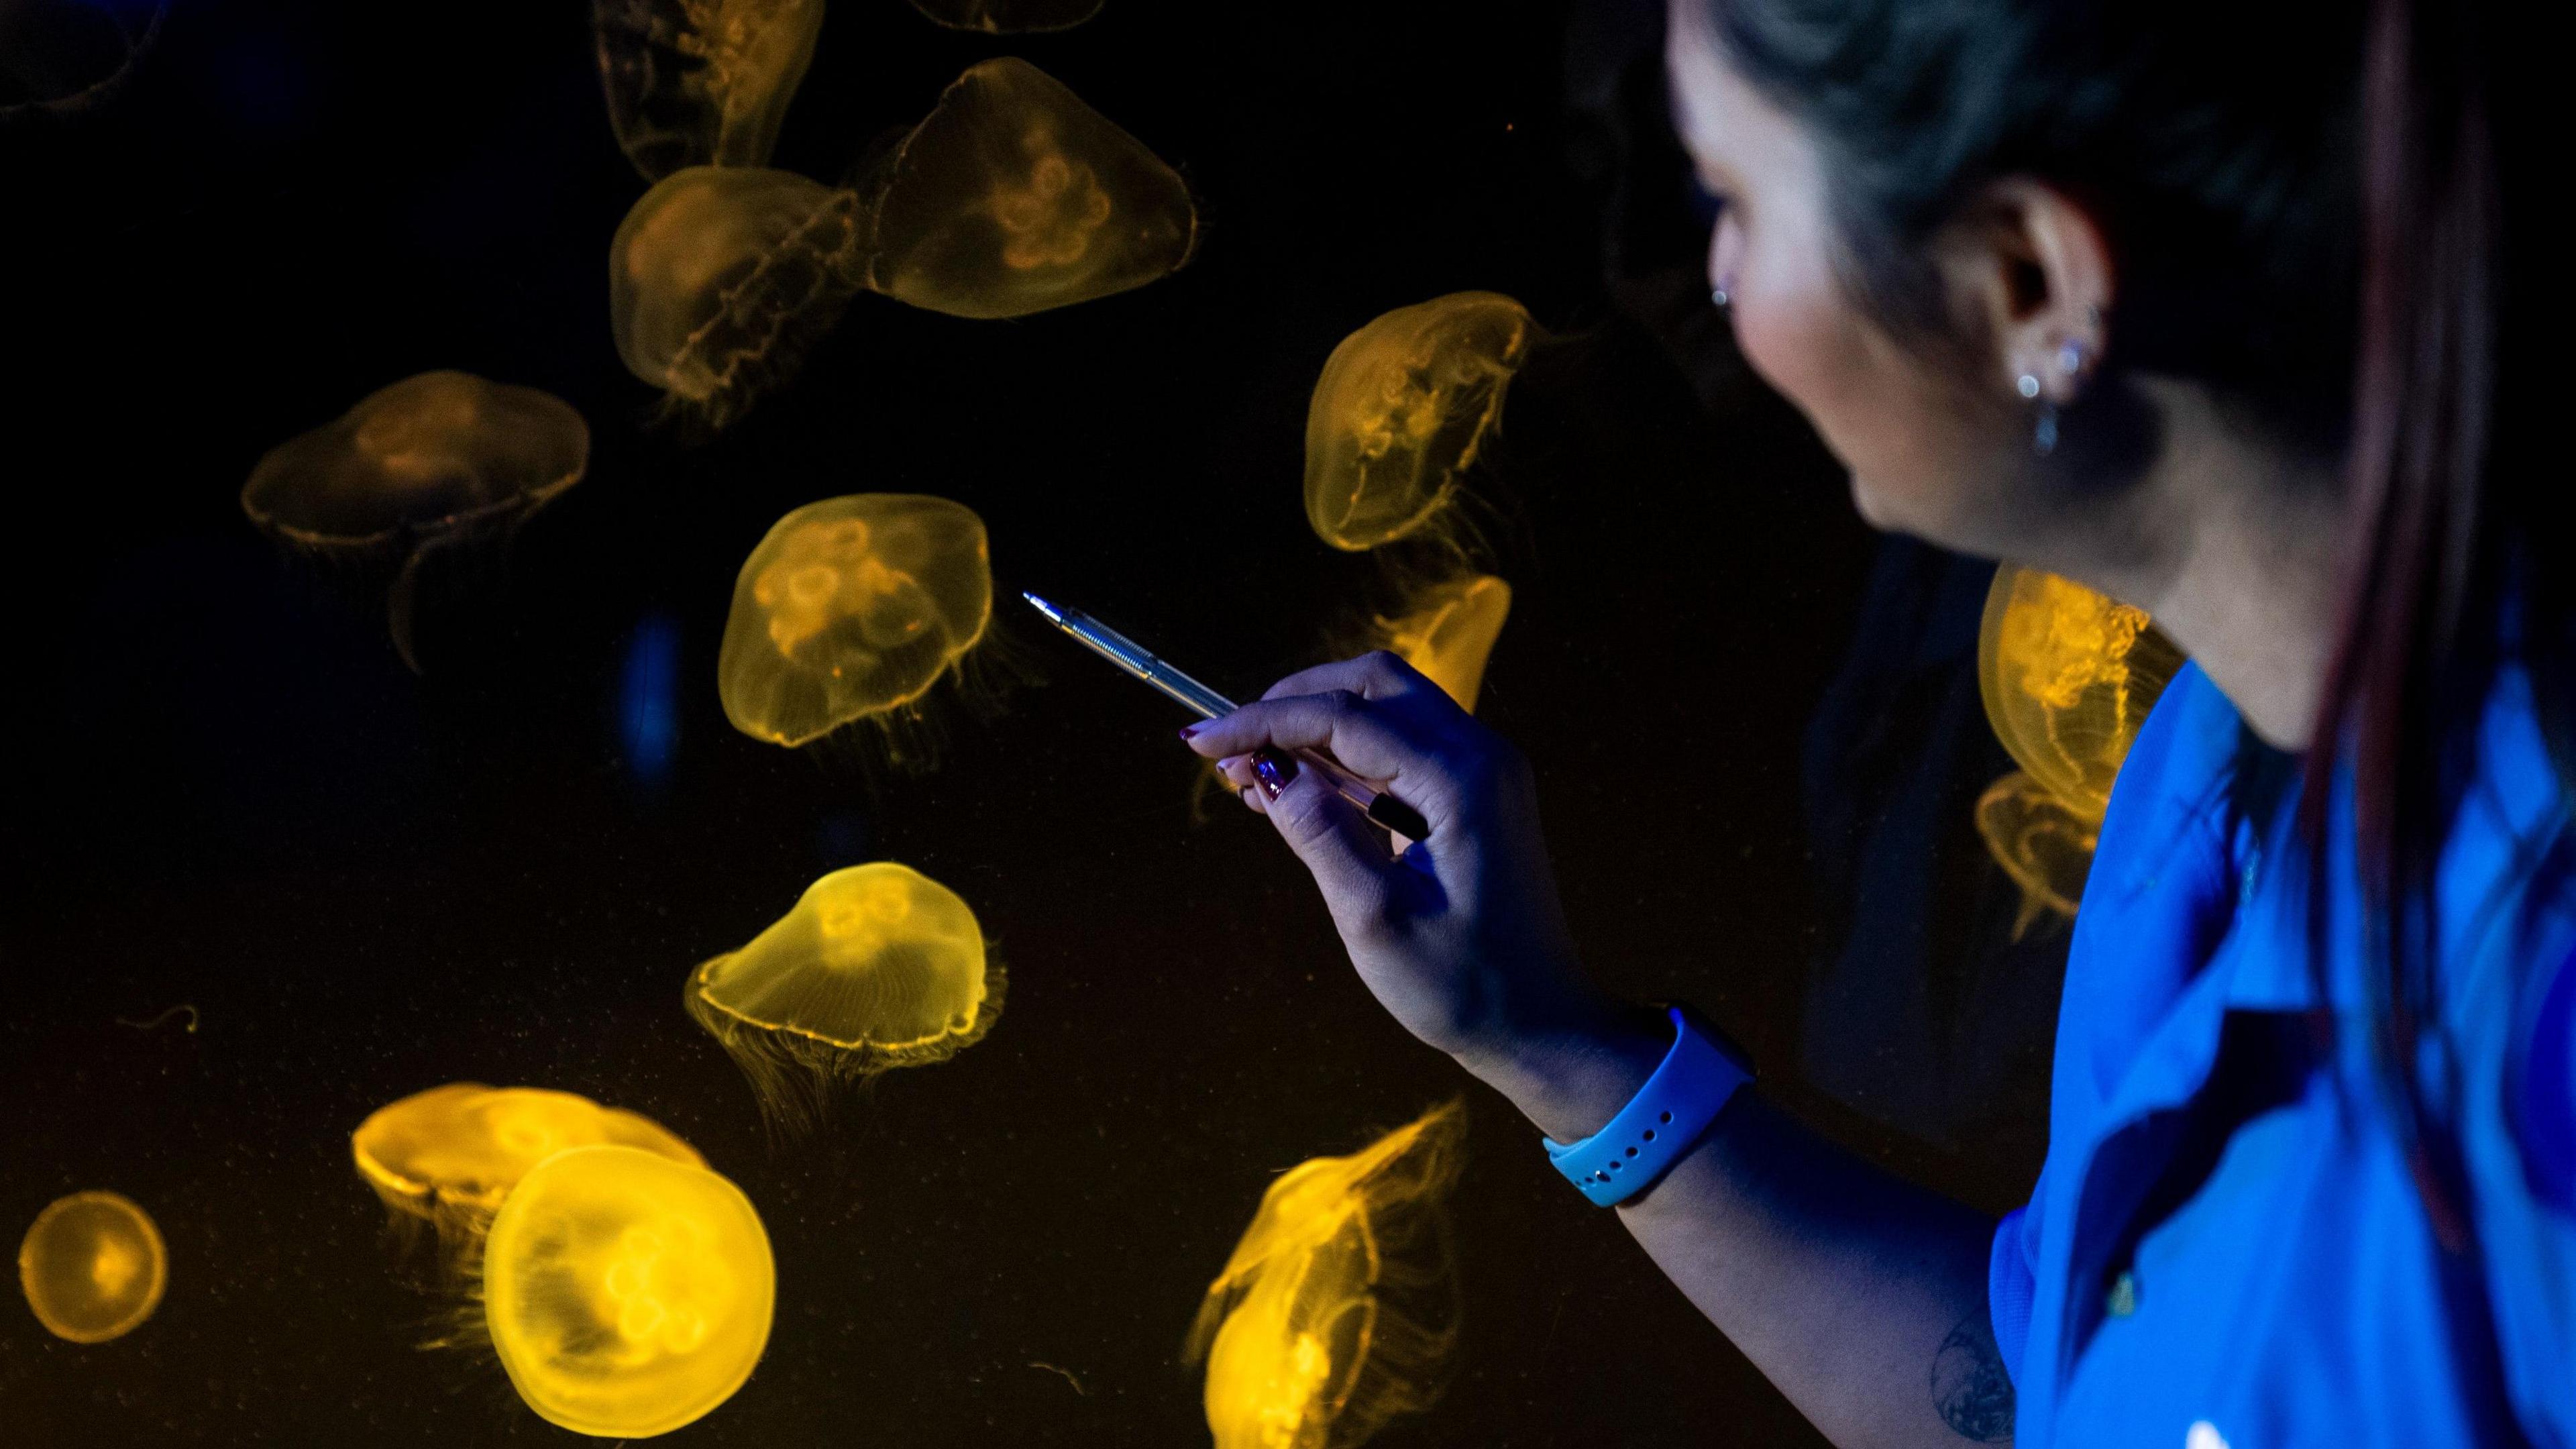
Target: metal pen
x,y
1141,662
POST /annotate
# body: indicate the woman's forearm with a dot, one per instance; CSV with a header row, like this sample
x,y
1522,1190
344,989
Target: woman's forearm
x,y
1861,1296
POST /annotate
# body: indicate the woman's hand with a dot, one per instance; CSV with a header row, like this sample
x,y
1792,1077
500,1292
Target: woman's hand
x,y
1462,937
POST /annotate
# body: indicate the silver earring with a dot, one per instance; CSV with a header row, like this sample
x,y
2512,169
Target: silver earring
x,y
1717,295
2029,385
2043,431
2070,358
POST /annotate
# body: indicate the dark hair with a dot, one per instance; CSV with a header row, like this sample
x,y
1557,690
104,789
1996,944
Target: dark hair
x,y
2306,201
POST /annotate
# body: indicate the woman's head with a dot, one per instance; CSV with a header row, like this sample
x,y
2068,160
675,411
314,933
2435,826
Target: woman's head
x,y
2141,210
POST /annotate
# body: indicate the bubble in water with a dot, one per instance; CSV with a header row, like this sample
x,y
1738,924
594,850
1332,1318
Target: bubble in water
x,y
1338,1310
626,1293
93,1266
1402,409
701,82
1014,197
877,967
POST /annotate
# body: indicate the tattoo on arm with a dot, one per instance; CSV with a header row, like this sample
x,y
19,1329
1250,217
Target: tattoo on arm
x,y
1969,1386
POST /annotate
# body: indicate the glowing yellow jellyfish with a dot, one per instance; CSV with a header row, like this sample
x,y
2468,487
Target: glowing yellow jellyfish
x,y
627,1293
852,608
451,1154
1013,197
2068,677
423,464
1338,1310
1449,632
701,82
721,278
878,966
1402,408
1007,17
93,1266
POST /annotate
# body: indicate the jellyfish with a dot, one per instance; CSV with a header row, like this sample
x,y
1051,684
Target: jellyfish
x,y
60,58
1013,197
1448,632
2068,677
626,1293
850,609
1402,409
721,279
1008,17
701,82
1338,1310
877,967
93,1266
449,1156
425,464
2042,844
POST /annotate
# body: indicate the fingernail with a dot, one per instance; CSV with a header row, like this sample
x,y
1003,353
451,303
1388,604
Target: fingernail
x,y
1189,732
1275,771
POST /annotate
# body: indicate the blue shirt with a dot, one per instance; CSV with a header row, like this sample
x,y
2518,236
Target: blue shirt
x,y
2279,1283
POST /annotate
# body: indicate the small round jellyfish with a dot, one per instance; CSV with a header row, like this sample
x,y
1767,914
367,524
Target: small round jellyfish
x,y
1008,17
877,967
451,1154
60,58
1338,1310
2068,677
1402,409
2043,845
627,1294
701,82
852,608
426,463
1448,633
1014,197
721,278
93,1266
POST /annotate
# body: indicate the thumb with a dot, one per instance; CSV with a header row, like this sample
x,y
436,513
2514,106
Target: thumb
x,y
1339,847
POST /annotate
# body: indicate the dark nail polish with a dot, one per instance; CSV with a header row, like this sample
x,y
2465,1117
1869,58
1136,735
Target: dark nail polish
x,y
1190,732
1275,770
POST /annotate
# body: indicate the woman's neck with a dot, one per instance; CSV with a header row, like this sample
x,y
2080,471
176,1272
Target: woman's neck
x,y
2240,563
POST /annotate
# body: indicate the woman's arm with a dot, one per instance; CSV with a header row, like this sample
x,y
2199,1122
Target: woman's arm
x,y
1862,1297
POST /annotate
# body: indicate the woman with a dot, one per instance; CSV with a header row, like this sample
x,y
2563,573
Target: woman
x,y
2202,305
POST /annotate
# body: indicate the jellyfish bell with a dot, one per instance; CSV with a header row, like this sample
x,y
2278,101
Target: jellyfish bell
x,y
2043,845
2068,677
1338,1309
701,82
1448,632
1014,197
721,278
93,1266
627,1293
877,967
61,59
1402,409
851,609
451,1154
431,462
1008,17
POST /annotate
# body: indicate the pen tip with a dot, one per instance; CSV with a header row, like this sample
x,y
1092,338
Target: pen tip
x,y
1042,606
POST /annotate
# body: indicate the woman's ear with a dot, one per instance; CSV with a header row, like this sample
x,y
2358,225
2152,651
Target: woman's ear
x,y
2033,268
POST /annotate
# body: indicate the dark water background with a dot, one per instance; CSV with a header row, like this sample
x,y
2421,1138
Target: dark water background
x,y
224,789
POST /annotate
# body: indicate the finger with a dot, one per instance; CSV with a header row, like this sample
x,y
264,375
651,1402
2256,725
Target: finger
x,y
1340,849
1367,739
1378,674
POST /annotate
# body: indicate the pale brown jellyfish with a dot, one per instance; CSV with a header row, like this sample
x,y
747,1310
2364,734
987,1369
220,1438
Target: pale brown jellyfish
x,y
2068,677
60,59
877,967
1013,197
701,82
422,465
93,1266
627,1294
450,1155
721,278
1008,17
1338,1310
850,609
1403,407
1448,633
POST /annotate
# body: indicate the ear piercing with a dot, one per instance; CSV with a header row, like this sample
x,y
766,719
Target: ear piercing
x,y
1723,293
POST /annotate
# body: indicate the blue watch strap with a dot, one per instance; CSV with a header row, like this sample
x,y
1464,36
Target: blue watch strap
x,y
1697,1077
